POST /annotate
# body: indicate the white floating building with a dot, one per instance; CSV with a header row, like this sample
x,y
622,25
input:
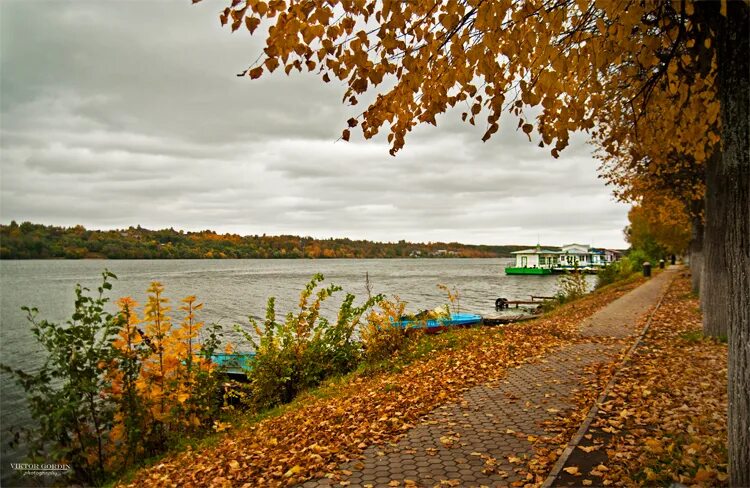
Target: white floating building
x,y
572,256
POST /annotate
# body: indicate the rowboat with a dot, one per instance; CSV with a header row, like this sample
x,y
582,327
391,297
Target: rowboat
x,y
441,323
233,364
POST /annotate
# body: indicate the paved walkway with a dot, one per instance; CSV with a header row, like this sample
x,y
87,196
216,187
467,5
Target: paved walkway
x,y
472,442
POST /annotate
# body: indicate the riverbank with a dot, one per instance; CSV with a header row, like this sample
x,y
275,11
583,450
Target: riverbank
x,y
38,241
316,434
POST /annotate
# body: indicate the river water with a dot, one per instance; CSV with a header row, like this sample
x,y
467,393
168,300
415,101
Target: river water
x,y
231,290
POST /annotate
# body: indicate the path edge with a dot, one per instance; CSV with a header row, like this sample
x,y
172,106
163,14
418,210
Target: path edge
x,y
594,410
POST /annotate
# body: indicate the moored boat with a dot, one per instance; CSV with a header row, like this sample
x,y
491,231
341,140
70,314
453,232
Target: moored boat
x,y
236,363
440,323
578,258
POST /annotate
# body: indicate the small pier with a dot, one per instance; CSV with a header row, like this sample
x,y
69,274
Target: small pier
x,y
503,303
501,319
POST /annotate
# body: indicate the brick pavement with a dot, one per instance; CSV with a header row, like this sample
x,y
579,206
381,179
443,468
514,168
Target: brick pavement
x,y
457,442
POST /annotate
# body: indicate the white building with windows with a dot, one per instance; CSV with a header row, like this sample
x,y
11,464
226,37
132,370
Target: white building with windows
x,y
571,256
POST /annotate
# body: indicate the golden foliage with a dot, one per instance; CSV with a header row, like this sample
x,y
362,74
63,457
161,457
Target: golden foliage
x,y
381,338
159,380
661,219
578,63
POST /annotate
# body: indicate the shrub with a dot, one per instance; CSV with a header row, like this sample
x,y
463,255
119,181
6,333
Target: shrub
x,y
610,274
305,348
571,286
65,395
636,258
454,299
381,335
110,392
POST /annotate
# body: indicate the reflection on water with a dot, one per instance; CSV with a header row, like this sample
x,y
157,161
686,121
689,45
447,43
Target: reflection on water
x,y
232,290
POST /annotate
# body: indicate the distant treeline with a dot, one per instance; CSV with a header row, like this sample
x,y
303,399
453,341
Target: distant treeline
x,y
36,241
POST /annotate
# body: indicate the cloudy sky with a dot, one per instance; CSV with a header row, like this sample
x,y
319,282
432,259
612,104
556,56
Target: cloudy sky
x,y
119,113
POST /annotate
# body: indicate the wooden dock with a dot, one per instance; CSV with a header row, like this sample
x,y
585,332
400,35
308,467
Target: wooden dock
x,y
503,303
498,319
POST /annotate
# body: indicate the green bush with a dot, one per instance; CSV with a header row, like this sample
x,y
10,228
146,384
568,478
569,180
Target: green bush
x,y
94,409
624,268
636,258
64,395
305,348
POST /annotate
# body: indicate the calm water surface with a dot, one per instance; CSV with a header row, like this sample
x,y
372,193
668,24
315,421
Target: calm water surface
x,y
232,290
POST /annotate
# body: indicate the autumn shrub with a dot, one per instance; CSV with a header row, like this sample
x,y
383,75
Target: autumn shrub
x,y
454,299
305,348
381,334
572,286
115,388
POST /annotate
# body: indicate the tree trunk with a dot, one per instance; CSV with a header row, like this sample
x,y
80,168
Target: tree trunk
x,y
696,251
715,277
734,173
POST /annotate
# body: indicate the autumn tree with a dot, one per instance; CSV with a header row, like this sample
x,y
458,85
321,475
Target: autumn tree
x,y
159,368
660,226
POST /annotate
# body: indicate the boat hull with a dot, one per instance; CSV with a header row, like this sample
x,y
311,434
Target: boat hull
x,y
456,320
527,271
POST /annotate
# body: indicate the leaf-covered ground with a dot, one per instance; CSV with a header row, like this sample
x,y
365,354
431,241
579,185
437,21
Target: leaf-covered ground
x,y
664,420
314,435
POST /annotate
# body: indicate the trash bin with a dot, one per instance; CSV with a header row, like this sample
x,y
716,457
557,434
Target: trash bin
x,y
661,264
646,269
674,260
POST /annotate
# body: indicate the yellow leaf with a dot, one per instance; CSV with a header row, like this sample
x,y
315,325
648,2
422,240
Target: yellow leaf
x,y
572,470
703,475
650,475
292,471
234,465
588,449
653,445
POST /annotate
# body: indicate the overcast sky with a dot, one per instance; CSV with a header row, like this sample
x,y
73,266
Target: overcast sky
x,y
119,113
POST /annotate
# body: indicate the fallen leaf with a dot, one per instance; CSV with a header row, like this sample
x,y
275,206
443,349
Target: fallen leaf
x,y
588,449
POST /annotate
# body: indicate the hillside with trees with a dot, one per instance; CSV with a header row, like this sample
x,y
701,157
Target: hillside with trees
x,y
37,241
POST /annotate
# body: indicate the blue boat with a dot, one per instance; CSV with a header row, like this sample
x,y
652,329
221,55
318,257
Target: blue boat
x,y
455,320
233,364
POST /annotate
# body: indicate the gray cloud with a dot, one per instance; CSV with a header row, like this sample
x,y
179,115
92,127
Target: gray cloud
x,y
122,113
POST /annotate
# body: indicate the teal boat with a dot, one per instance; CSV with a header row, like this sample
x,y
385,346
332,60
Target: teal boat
x,y
233,364
455,320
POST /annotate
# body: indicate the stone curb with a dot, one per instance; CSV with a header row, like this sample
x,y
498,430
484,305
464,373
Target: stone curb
x,y
576,439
